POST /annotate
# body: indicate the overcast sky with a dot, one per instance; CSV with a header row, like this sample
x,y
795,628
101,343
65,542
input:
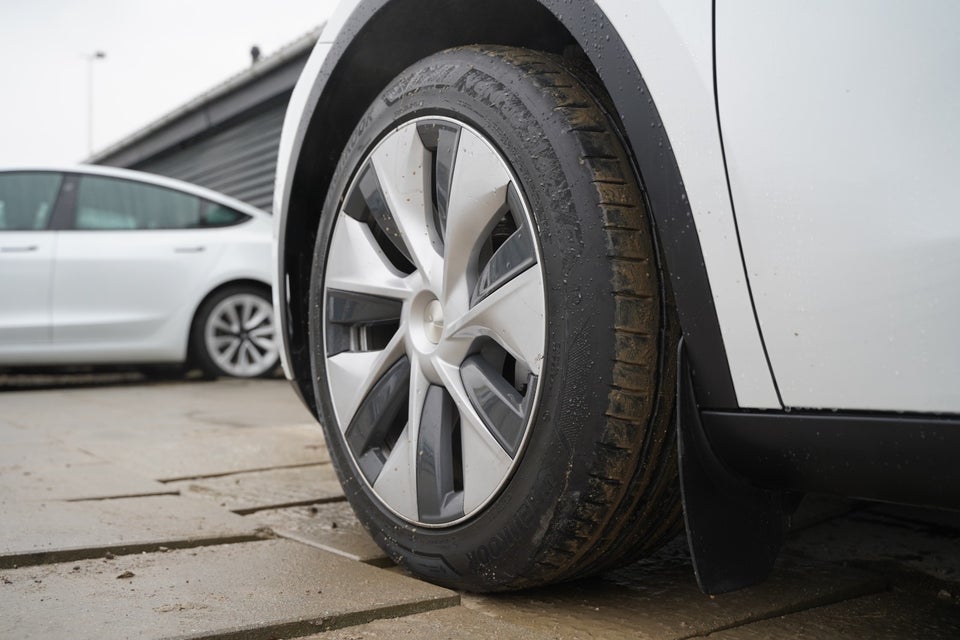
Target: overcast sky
x,y
159,55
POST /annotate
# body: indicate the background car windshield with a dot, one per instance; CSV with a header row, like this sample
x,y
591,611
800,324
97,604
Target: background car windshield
x,y
26,200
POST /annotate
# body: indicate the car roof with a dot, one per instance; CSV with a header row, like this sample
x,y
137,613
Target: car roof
x,y
147,178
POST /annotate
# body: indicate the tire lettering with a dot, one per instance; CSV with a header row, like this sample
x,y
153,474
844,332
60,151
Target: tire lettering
x,y
516,530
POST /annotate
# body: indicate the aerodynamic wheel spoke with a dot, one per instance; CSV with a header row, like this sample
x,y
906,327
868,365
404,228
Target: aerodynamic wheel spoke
x,y
245,311
485,461
517,253
399,167
503,409
353,374
263,343
356,263
352,316
258,315
513,315
442,141
221,324
232,318
220,343
228,354
397,482
380,420
251,356
265,331
477,201
439,466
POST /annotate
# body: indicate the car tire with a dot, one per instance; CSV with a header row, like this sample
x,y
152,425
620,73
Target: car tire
x,y
234,333
516,304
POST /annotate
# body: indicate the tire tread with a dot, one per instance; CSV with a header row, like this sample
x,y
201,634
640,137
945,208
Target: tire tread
x,y
631,505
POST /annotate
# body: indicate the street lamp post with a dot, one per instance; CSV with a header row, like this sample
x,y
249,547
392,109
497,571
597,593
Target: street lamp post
x,y
96,55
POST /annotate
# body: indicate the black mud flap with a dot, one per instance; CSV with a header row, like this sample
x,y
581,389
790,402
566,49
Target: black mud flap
x,y
734,529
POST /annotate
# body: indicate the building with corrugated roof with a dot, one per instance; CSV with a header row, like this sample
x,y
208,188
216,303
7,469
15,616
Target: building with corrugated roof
x,y
225,139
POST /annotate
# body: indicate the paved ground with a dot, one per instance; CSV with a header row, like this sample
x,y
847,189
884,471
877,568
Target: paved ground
x,y
210,510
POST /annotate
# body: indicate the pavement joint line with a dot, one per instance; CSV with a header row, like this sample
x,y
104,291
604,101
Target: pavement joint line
x,y
285,505
380,562
152,494
299,628
798,611
868,587
56,556
225,474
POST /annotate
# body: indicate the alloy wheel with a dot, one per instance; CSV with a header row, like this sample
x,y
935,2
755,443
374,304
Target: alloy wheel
x,y
240,336
434,321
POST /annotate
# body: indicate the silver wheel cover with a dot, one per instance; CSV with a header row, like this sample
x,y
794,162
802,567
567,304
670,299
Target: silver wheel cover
x,y
240,337
434,321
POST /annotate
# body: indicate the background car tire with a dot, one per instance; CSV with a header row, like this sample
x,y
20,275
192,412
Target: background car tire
x,y
234,334
594,483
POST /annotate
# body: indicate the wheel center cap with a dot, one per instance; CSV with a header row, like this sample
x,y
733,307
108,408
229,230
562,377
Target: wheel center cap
x,y
433,321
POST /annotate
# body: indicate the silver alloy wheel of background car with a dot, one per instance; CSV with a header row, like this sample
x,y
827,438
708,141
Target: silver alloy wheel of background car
x,y
240,336
434,321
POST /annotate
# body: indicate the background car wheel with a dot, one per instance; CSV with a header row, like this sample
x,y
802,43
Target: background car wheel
x,y
234,334
493,350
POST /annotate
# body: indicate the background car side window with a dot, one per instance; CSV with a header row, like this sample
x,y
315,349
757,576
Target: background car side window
x,y
217,215
26,200
112,204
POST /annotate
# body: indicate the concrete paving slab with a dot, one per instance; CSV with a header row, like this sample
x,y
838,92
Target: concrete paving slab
x,y
887,616
658,599
266,589
53,472
196,455
332,527
452,623
107,412
46,532
923,540
245,493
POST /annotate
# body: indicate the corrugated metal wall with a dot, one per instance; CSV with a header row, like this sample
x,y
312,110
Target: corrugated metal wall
x,y
226,139
239,160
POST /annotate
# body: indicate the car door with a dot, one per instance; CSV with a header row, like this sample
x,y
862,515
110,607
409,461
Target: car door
x,y
132,262
842,140
26,260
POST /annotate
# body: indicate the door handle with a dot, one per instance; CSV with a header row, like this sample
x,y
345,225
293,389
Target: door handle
x,y
26,249
189,249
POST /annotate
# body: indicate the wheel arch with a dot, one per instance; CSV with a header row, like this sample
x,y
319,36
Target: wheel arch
x,y
377,41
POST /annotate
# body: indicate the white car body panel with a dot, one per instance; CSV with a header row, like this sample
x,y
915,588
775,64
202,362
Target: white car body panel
x,y
118,286
129,296
26,273
855,281
671,43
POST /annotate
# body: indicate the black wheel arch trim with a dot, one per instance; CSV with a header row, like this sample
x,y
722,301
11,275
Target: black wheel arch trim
x,y
355,74
890,457
743,473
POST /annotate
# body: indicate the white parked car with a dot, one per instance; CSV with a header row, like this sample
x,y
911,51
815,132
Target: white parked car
x,y
531,246
108,266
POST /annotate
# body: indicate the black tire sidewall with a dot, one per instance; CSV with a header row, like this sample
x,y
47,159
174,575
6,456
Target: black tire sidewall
x,y
503,541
